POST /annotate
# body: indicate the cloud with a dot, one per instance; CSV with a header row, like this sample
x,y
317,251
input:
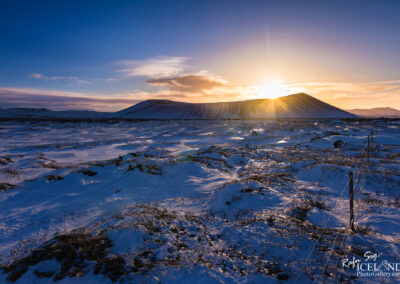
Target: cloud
x,y
350,95
35,75
189,83
61,100
64,78
199,87
163,66
203,87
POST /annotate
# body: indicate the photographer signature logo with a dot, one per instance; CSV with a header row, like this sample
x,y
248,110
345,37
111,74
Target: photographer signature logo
x,y
372,264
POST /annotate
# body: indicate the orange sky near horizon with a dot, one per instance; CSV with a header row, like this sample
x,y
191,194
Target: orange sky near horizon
x,y
112,54
205,88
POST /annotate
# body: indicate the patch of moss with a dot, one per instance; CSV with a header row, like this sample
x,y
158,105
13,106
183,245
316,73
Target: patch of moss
x,y
88,173
54,177
72,251
148,169
5,186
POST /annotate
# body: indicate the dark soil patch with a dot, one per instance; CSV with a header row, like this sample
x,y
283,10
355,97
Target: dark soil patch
x,y
88,173
54,177
74,252
5,186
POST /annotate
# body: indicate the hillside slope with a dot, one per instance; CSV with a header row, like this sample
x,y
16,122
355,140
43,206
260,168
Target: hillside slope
x,y
294,106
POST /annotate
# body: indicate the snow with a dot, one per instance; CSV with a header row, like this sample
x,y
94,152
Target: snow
x,y
182,201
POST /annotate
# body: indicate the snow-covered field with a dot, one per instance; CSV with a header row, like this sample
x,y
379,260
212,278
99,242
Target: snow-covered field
x,y
231,201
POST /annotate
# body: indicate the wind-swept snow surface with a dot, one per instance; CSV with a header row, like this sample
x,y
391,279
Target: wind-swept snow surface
x,y
293,106
236,201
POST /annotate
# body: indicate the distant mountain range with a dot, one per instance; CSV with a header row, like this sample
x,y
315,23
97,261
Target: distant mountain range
x,y
377,112
293,106
46,113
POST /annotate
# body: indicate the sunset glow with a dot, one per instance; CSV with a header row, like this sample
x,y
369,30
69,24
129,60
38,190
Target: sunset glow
x,y
212,141
112,60
273,90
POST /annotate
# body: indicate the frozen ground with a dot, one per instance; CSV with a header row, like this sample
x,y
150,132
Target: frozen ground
x,y
195,201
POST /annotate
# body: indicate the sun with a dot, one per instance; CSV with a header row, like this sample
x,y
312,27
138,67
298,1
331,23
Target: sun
x,y
273,90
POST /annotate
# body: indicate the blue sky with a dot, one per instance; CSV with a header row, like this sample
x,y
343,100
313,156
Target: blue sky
x,y
116,53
